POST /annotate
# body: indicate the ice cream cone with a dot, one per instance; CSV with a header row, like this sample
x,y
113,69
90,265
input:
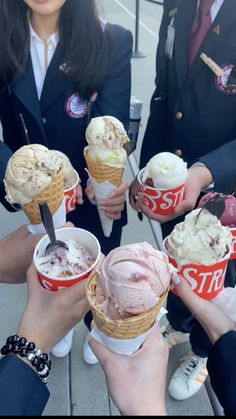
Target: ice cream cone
x,y
53,195
102,172
127,328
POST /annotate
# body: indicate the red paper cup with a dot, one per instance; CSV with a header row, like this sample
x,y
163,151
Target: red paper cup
x,y
84,238
70,195
206,281
233,253
161,201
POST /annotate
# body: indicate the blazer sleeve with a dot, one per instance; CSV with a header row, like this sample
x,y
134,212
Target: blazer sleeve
x,y
158,117
221,366
114,97
5,154
21,391
221,163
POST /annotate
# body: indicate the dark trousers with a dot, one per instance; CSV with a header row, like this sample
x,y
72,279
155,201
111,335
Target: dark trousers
x,y
181,318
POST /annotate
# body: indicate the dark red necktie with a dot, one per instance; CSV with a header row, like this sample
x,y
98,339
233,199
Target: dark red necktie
x,y
199,29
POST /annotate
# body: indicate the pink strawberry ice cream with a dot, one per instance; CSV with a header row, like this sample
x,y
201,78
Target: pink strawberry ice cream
x,y
131,279
228,217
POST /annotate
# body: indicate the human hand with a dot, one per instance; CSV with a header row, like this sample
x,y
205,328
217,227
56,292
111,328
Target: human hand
x,y
16,252
136,382
198,178
134,189
114,204
79,194
48,316
215,322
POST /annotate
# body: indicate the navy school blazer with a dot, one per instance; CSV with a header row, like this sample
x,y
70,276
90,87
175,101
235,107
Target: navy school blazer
x,y
21,391
60,118
193,109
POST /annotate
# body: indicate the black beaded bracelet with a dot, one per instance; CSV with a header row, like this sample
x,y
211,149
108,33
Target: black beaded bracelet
x,y
20,346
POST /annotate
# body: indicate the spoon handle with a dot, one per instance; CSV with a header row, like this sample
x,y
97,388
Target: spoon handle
x,y
47,221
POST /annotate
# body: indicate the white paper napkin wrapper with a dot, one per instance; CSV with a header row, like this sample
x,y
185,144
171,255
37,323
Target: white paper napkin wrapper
x,y
101,190
124,346
59,219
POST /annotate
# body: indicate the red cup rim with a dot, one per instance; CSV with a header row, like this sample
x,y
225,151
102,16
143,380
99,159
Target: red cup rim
x,y
152,187
75,184
71,278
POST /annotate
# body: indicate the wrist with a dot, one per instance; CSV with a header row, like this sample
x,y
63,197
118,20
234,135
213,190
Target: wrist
x,y
34,337
147,409
203,174
30,354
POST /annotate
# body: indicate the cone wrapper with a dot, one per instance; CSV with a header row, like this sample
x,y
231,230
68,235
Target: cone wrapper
x,y
101,190
124,346
59,219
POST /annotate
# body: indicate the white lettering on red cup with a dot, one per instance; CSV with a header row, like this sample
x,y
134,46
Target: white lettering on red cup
x,y
205,281
161,201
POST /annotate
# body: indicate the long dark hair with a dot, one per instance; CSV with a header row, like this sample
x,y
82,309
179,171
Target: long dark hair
x,y
84,43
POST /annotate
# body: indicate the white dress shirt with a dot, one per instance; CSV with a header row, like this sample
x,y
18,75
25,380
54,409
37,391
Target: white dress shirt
x,y
41,51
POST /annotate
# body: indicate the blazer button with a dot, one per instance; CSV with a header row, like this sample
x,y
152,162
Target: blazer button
x,y
179,115
44,120
178,152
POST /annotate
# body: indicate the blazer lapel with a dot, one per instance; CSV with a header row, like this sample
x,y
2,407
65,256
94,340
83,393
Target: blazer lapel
x,y
186,10
55,80
218,31
25,90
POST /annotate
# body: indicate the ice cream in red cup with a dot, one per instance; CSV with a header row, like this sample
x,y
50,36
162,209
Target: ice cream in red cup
x,y
228,218
62,268
163,182
200,248
70,194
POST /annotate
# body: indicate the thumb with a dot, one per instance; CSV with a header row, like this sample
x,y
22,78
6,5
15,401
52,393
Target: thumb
x,y
190,198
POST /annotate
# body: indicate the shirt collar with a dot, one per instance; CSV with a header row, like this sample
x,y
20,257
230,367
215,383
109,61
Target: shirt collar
x,y
53,38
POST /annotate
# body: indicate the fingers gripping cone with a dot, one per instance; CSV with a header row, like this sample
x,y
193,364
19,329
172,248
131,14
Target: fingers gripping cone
x,y
53,195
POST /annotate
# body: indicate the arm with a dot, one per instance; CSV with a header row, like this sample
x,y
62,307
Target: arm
x,y
114,97
5,154
16,252
221,330
136,382
47,317
221,164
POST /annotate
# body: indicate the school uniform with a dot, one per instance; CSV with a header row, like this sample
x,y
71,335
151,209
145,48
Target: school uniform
x,y
22,393
221,366
59,118
5,154
192,114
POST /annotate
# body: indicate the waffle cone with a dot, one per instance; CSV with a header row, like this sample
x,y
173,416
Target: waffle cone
x,y
53,195
124,328
102,172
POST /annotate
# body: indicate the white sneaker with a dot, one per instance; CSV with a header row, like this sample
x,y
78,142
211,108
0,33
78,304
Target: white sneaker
x,y
188,378
88,354
63,347
172,336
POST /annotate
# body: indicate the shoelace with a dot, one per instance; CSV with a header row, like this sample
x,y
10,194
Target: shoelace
x,y
190,364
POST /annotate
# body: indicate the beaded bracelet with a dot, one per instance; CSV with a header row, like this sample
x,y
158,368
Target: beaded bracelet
x,y
20,346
